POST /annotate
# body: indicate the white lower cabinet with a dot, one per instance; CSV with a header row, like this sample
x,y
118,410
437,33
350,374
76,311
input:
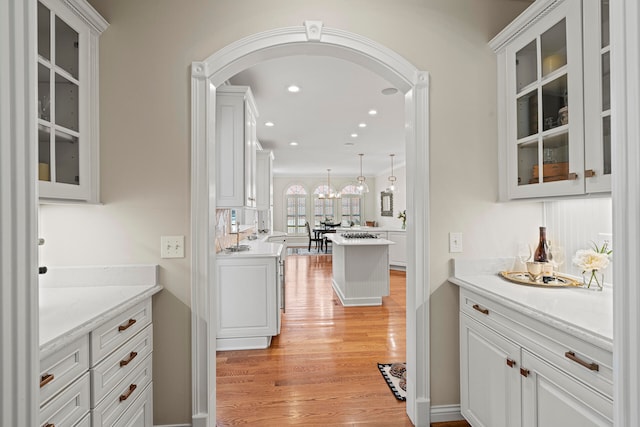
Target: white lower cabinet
x,y
516,371
102,378
249,300
398,252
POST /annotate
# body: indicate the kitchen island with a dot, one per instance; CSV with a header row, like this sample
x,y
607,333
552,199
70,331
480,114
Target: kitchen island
x,y
360,268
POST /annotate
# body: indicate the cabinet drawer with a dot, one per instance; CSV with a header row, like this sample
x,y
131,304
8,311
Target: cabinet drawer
x,y
68,408
108,373
591,364
60,368
112,334
140,413
123,395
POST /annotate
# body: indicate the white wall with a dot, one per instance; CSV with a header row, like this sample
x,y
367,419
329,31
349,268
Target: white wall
x,y
145,61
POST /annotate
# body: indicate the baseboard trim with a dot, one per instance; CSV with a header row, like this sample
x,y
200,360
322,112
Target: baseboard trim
x,y
444,413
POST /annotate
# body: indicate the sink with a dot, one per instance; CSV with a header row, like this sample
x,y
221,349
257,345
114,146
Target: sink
x,y
237,248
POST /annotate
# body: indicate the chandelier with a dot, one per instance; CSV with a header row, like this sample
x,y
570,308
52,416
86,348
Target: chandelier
x,y
330,194
392,179
361,180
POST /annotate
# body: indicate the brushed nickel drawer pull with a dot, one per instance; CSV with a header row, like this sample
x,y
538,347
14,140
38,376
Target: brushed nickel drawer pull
x,y
125,362
511,363
524,372
591,366
126,395
127,326
46,379
480,309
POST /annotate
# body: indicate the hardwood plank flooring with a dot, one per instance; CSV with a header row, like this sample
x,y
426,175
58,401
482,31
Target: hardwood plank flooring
x,y
322,369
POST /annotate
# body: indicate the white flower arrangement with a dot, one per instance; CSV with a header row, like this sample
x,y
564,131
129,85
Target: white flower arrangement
x,y
593,260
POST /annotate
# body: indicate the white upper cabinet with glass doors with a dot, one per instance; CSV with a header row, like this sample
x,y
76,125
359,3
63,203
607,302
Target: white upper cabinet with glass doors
x,y
553,126
67,91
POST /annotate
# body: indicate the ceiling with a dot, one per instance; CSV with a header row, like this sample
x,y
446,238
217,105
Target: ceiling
x,y
334,99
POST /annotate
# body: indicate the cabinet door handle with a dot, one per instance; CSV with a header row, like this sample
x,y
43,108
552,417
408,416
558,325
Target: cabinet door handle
x,y
46,379
125,362
572,176
126,395
591,366
511,363
49,425
589,173
480,309
127,326
524,372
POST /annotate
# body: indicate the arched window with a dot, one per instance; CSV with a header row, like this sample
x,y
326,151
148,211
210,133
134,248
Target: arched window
x,y
323,208
296,199
351,204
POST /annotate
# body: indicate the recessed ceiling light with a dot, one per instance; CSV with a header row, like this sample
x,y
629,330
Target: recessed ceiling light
x,y
269,124
362,125
293,89
354,135
389,91
372,112
293,144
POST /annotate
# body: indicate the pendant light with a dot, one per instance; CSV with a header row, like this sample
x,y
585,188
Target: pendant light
x,y
330,194
392,178
361,185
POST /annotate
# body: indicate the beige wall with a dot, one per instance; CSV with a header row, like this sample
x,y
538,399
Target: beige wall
x,y
145,135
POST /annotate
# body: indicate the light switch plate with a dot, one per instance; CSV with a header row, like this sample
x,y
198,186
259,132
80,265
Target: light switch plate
x,y
455,242
172,246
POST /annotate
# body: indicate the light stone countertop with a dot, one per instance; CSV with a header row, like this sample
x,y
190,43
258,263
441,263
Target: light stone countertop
x,y
583,313
68,312
259,249
338,239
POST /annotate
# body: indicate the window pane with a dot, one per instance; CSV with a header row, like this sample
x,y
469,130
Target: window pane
x,y
528,163
553,48
44,153
526,66
604,25
44,96
67,54
67,159
528,114
66,94
606,82
606,142
554,103
44,31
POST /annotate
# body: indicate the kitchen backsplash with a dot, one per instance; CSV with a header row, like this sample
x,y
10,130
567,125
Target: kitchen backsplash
x,y
578,224
224,238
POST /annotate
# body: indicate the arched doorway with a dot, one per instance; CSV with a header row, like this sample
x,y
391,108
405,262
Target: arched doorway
x,y
310,39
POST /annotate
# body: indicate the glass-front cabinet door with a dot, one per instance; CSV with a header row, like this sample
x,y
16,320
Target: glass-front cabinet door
x,y
67,102
545,134
597,81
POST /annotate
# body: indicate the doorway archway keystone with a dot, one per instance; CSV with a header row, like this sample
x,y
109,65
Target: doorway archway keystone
x,y
312,38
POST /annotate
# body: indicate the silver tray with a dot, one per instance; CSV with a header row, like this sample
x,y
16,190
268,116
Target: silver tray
x,y
522,278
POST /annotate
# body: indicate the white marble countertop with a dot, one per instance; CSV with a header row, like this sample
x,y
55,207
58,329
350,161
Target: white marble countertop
x,y
368,229
67,312
338,239
583,313
258,249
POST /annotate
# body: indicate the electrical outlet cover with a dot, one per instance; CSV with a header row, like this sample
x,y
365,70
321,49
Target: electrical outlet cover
x,y
172,246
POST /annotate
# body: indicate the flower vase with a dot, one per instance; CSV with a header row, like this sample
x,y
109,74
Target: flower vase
x,y
592,280
404,225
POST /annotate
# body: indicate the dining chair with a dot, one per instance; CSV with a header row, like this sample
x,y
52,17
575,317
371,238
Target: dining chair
x,y
315,238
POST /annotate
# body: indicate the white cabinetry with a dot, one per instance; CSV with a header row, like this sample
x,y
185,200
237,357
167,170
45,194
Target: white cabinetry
x,y
67,88
249,300
236,143
517,371
398,252
554,135
103,378
264,180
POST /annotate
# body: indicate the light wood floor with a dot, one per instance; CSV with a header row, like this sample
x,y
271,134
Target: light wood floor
x,y
322,369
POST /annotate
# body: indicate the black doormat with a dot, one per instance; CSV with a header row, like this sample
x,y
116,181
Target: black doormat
x,y
394,375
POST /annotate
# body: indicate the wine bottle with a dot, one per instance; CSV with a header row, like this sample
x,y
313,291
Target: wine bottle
x,y
542,251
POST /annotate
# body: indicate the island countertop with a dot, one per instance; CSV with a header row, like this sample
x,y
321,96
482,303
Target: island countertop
x,y
583,313
73,301
339,239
